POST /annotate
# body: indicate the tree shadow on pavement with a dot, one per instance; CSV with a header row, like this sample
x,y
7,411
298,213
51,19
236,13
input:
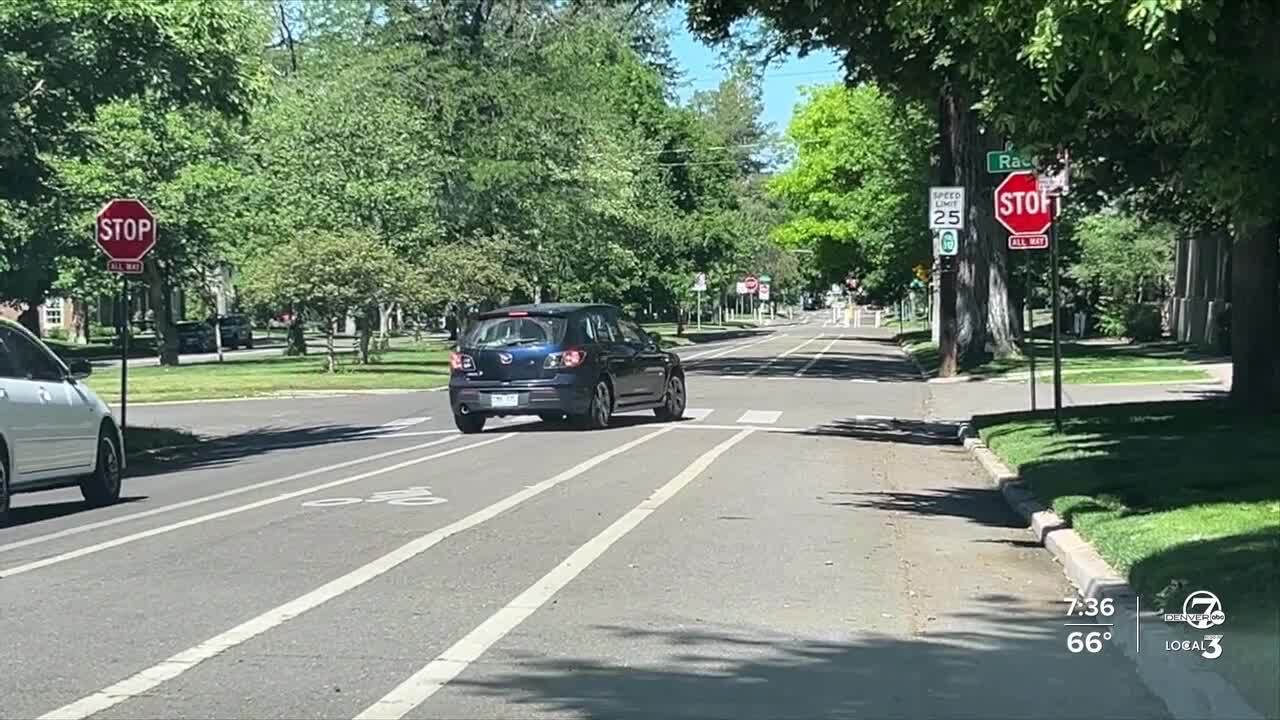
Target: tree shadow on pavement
x,y
894,430
997,661
227,449
980,505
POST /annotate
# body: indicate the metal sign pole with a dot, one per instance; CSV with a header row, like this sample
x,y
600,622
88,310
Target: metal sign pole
x,y
1031,325
124,358
1057,339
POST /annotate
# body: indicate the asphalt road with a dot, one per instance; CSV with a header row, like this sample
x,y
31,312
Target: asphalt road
x,y
785,552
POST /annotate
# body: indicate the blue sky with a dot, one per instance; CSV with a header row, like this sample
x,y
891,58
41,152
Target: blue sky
x,y
782,80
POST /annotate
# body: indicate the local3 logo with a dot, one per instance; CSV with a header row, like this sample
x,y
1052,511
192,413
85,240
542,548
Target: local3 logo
x,y
1210,613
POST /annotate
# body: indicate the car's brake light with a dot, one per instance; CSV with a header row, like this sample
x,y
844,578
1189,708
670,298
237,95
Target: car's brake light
x,y
566,359
458,361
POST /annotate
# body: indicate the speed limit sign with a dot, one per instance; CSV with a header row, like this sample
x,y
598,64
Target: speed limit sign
x,y
946,208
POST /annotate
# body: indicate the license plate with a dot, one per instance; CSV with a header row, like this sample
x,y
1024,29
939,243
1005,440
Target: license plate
x,y
504,400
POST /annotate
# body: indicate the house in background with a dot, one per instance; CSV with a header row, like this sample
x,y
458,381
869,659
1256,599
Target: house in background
x,y
58,315
1201,289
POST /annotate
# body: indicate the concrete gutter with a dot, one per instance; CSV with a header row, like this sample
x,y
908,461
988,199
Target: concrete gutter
x,y
1188,689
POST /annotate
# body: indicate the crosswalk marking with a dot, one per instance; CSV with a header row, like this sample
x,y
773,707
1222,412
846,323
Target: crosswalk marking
x,y
697,413
760,417
776,358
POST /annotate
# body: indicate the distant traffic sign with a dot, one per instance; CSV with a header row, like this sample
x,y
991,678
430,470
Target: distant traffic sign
x,y
751,283
948,242
1028,242
125,230
128,267
700,282
742,288
946,208
1005,161
763,292
764,279
1021,207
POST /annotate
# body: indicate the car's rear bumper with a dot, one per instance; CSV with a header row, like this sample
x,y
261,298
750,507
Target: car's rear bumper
x,y
569,395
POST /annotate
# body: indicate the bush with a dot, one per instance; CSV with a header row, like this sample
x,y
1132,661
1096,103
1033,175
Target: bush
x,y
1137,321
56,333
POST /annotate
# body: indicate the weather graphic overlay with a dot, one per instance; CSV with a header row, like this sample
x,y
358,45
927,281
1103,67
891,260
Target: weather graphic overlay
x,y
1089,623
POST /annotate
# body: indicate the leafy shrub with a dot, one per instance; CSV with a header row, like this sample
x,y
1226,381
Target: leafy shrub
x,y
56,333
1137,321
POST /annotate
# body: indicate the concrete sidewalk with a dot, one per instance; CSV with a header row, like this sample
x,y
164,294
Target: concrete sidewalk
x,y
962,400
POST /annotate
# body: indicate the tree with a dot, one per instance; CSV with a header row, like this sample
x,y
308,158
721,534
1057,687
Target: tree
x,y
182,163
857,186
60,61
323,276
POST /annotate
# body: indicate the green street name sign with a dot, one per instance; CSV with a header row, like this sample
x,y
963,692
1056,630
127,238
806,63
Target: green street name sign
x,y
1007,161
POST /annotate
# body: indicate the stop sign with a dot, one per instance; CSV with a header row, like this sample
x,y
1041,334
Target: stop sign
x,y
126,230
1021,207
751,283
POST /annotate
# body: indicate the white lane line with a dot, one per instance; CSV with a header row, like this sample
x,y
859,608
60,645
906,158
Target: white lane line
x,y
420,433
760,417
815,358
152,677
229,493
773,429
404,422
776,358
721,353
436,674
698,413
117,542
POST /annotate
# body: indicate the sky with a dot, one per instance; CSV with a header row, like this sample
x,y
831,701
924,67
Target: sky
x,y
782,80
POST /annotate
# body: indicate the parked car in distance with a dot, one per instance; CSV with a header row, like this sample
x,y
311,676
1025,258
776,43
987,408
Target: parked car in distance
x,y
54,431
580,361
195,337
237,331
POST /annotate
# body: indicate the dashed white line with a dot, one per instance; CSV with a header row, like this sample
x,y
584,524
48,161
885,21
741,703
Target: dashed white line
x,y
760,417
166,670
439,672
815,358
117,542
726,351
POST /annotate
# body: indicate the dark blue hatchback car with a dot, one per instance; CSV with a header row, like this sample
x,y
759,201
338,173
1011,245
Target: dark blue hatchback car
x,y
558,361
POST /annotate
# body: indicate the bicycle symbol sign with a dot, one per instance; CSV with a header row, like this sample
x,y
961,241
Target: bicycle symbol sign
x,y
417,496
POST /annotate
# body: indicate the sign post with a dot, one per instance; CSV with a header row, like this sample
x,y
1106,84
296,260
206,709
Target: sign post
x,y
946,212
125,231
700,286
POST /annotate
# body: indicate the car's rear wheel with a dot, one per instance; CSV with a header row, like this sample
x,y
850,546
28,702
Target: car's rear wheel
x,y
102,486
469,424
600,409
673,400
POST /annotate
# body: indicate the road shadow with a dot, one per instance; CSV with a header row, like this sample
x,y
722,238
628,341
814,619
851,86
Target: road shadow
x,y
894,430
26,514
981,505
617,422
832,365
228,449
997,661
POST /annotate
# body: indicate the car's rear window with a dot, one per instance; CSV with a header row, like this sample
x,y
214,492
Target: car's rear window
x,y
511,331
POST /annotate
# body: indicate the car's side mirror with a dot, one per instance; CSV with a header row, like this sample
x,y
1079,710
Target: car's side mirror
x,y
80,368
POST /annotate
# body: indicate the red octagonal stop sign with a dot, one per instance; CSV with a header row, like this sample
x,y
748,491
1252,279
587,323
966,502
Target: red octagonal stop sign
x,y
126,230
1021,207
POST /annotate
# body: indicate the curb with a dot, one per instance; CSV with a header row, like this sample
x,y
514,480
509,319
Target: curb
x,y
1188,691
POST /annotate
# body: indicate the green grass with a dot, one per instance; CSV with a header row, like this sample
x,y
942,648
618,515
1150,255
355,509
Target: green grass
x,y
1127,376
1178,497
1081,363
413,367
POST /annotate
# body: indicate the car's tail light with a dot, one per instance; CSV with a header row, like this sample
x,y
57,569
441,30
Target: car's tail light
x,y
566,359
458,361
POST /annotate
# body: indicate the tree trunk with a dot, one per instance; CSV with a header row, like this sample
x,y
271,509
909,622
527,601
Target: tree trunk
x,y
295,338
80,322
162,308
30,316
331,352
1255,317
385,312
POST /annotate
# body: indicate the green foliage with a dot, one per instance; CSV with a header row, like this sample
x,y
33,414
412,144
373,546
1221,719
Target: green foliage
x,y
857,187
1138,321
1124,256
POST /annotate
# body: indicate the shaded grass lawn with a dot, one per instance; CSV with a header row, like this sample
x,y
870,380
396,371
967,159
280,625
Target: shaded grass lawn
x,y
1178,497
419,366
1081,363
